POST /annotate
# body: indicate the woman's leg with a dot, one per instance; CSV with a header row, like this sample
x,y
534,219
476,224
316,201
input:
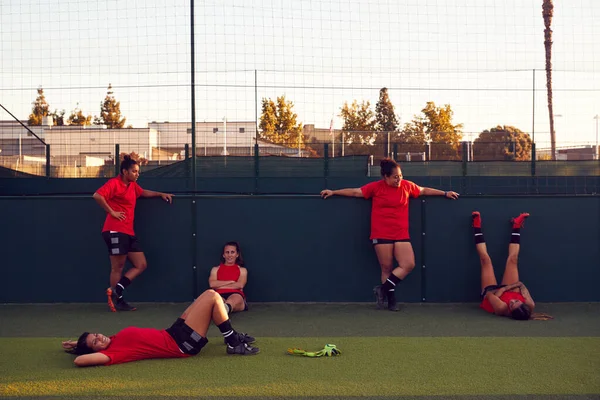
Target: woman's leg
x,y
207,307
385,256
236,302
511,271
488,278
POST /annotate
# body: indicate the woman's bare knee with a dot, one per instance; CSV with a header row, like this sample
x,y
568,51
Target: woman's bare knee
x,y
485,260
513,259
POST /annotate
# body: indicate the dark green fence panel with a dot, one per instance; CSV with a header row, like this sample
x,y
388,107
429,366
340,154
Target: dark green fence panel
x,y
53,251
559,259
298,248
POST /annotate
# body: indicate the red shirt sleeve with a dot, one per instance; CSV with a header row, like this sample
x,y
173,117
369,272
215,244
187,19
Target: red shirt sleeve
x,y
138,190
107,190
368,190
414,190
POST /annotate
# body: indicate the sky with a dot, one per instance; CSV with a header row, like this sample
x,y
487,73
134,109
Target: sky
x,y
479,56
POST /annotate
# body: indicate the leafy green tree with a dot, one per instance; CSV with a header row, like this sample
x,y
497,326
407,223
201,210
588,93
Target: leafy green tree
x,y
78,119
110,111
39,110
279,124
502,143
358,130
445,136
385,113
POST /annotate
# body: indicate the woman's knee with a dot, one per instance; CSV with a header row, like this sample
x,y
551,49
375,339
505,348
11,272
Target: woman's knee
x,y
386,267
513,259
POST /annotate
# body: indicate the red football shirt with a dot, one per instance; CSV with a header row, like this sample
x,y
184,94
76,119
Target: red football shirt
x,y
229,273
505,297
389,212
134,344
120,197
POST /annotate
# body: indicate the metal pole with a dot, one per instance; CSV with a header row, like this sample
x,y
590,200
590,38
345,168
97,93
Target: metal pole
x,y
194,183
597,153
255,107
533,111
225,137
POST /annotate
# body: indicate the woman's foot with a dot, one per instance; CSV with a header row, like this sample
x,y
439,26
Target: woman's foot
x,y
519,222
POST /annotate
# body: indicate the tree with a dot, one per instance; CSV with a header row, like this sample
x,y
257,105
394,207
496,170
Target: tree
x,y
445,136
39,110
435,126
358,130
547,13
279,124
110,112
78,119
412,138
58,117
502,143
385,114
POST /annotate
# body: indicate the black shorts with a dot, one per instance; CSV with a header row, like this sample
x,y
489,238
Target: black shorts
x,y
489,289
120,243
225,296
187,339
375,242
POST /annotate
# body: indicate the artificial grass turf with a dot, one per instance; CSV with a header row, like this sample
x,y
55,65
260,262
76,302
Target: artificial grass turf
x,y
369,366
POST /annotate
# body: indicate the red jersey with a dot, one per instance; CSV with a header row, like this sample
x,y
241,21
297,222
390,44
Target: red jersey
x,y
506,297
134,344
229,273
120,197
389,212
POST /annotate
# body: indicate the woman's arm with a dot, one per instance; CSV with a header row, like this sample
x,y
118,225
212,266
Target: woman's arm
x,y
102,202
500,307
242,280
425,191
528,299
165,196
355,192
500,292
87,360
214,283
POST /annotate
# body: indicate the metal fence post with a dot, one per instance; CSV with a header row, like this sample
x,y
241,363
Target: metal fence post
x,y
325,161
533,157
465,156
256,167
48,160
117,159
395,151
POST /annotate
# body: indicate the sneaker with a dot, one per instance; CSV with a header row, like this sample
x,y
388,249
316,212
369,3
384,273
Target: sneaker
x,y
244,338
519,222
112,299
476,219
379,296
122,305
392,303
243,349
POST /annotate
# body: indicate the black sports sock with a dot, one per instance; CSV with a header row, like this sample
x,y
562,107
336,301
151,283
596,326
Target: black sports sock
x,y
478,235
230,335
121,285
515,236
390,283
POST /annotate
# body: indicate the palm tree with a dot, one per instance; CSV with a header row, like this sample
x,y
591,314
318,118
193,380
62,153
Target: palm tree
x,y
547,12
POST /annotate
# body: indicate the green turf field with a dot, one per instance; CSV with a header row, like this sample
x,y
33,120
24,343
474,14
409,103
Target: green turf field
x,y
423,351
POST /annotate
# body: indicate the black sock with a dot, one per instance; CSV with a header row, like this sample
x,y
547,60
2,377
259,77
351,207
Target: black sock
x,y
390,284
229,333
515,236
478,235
228,308
121,285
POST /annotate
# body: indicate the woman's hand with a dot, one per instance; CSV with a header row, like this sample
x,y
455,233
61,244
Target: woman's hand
x,y
451,195
69,344
326,193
